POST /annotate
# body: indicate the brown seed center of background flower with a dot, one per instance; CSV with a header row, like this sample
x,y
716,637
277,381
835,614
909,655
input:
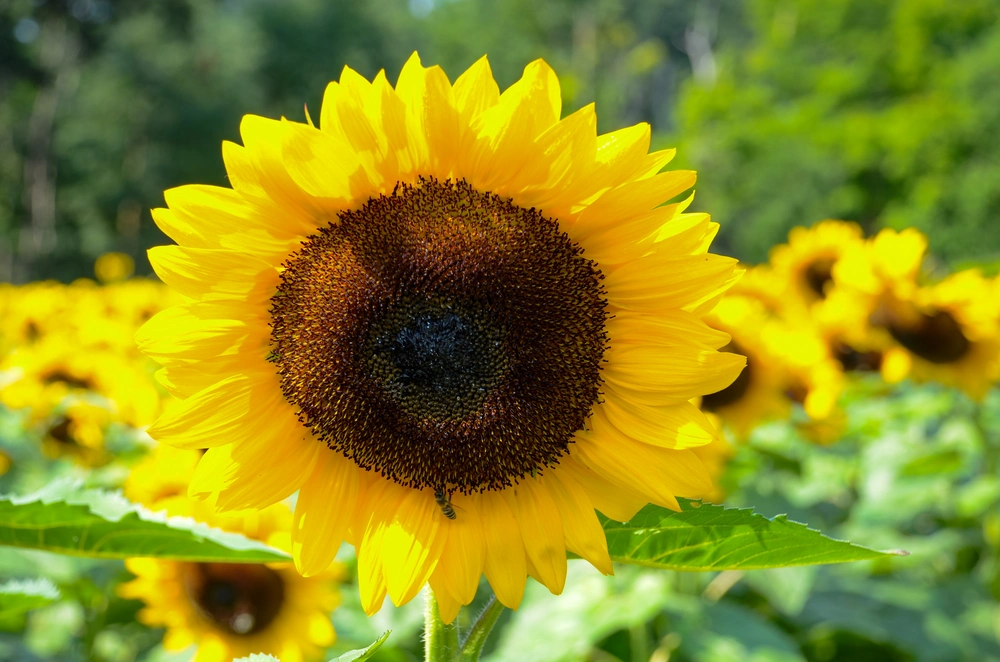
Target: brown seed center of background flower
x,y
242,599
935,337
441,336
735,391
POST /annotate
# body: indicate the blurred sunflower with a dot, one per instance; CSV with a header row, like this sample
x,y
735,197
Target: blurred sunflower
x,y
163,473
76,430
41,376
805,264
758,394
456,323
760,282
231,610
715,455
948,332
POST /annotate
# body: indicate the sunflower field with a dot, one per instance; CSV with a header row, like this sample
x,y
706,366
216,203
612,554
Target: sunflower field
x,y
395,331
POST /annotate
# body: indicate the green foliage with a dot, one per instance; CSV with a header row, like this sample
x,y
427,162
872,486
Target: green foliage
x,y
64,518
710,537
364,653
17,597
887,113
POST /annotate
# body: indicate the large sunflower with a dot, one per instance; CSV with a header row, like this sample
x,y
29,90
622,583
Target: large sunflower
x,y
454,322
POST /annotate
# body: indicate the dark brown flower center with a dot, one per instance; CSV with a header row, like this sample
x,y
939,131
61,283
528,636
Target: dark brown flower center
x,y
735,391
935,336
441,336
853,360
239,598
818,274
59,375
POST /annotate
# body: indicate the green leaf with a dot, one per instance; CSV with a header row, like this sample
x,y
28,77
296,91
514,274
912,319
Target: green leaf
x,y
257,657
19,596
709,537
363,653
64,518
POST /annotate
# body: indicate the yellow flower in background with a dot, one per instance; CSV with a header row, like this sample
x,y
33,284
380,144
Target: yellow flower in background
x,y
814,378
41,376
758,394
410,314
114,267
805,264
887,264
77,430
760,282
715,456
231,610
163,473
948,333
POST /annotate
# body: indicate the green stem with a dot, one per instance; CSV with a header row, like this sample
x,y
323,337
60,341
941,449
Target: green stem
x,y
472,643
440,639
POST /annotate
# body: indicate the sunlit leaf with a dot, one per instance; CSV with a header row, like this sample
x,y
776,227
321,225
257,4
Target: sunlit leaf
x,y
709,537
64,518
19,596
363,653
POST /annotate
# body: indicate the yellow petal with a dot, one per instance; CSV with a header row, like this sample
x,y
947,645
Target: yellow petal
x,y
206,330
203,273
505,565
213,217
250,478
678,426
541,530
617,502
660,473
630,200
655,283
233,410
323,512
505,143
411,546
431,115
670,327
476,91
464,551
584,533
675,373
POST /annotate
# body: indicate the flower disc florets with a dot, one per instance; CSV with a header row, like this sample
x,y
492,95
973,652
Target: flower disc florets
x,y
242,599
441,336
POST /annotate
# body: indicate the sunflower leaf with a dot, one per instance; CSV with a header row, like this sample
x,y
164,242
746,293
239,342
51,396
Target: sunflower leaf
x,y
362,654
19,596
703,536
64,518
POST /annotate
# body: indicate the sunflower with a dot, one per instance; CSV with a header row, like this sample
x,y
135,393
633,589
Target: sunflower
x,y
758,393
232,610
945,332
805,264
715,455
948,333
454,322
165,472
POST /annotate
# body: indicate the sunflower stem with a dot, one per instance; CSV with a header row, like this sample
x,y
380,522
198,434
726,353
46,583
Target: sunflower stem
x,y
472,643
440,638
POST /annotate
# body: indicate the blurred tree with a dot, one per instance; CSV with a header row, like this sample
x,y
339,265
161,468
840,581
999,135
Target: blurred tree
x,y
629,57
883,112
103,105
